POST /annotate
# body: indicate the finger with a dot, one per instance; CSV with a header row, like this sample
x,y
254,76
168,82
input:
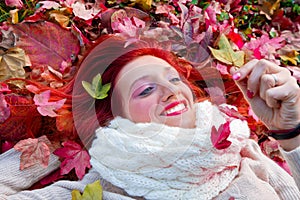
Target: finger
x,y
268,81
287,94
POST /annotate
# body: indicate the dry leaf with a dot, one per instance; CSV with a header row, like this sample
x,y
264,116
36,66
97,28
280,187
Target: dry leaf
x,y
226,54
12,63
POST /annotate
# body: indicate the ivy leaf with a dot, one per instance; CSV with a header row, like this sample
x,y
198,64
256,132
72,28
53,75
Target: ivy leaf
x,y
219,137
12,63
92,191
34,151
226,54
96,89
75,157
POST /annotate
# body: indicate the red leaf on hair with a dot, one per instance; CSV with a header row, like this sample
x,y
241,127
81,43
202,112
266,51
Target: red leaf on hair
x,y
34,151
75,157
219,137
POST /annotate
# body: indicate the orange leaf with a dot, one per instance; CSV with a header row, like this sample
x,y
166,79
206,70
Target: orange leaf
x,y
34,151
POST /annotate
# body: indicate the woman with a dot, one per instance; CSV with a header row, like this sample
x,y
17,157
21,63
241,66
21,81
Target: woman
x,y
155,141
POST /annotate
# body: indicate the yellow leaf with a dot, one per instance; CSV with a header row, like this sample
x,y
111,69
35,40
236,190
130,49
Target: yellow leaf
x,y
60,17
92,191
145,4
76,195
226,54
291,56
12,64
14,16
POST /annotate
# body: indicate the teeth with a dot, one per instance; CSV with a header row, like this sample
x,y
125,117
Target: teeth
x,y
176,108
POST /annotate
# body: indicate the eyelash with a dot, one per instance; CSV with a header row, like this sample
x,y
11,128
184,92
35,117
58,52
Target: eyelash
x,y
149,89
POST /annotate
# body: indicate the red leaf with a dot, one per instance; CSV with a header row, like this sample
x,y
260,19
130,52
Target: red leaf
x,y
231,112
219,137
75,157
34,151
4,109
47,43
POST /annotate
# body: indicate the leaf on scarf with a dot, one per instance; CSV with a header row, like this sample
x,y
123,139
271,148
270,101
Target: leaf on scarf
x,y
12,64
75,157
226,54
219,137
91,191
231,112
41,40
34,151
45,107
4,109
96,89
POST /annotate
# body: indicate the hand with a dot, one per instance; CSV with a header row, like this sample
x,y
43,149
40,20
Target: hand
x,y
274,99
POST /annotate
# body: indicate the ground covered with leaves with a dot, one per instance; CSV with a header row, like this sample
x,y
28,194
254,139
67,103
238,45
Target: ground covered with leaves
x,y
42,43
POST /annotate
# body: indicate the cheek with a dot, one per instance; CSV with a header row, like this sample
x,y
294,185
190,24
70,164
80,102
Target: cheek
x,y
142,110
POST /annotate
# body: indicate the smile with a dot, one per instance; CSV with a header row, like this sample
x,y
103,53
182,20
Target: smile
x,y
175,108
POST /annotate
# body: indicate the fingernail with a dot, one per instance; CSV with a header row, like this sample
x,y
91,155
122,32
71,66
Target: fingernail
x,y
250,94
236,76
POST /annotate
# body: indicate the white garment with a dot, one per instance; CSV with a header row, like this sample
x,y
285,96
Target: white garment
x,y
162,162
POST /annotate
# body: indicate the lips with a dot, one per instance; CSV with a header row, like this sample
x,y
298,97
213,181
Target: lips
x,y
175,108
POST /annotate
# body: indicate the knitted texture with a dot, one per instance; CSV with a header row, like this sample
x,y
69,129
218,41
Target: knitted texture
x,y
162,162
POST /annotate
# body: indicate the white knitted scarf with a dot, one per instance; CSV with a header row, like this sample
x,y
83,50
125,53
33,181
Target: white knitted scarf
x,y
156,161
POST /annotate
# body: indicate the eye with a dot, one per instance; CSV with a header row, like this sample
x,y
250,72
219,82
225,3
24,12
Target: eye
x,y
175,80
147,91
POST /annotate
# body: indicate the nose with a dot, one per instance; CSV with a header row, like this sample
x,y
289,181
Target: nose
x,y
169,92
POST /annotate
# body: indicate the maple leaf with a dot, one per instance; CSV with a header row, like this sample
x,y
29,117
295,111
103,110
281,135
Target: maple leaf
x,y
34,151
4,109
91,191
96,89
45,107
219,137
74,158
12,63
226,54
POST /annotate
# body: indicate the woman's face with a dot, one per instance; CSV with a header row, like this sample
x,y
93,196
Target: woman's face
x,y
151,90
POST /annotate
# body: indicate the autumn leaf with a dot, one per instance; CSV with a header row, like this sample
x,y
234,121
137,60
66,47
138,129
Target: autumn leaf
x,y
92,191
226,54
75,157
145,4
14,3
219,137
292,56
34,151
46,43
12,63
96,89
45,107
4,109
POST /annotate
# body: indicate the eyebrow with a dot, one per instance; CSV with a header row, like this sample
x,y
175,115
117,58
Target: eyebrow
x,y
146,76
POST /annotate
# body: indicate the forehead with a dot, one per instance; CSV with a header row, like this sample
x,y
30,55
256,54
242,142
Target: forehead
x,y
142,66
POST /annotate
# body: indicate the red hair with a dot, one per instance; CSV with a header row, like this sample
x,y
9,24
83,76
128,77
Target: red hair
x,y
108,57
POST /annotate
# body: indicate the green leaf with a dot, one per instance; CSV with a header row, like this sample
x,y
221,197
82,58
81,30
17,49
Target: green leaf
x,y
96,89
92,191
226,54
88,87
